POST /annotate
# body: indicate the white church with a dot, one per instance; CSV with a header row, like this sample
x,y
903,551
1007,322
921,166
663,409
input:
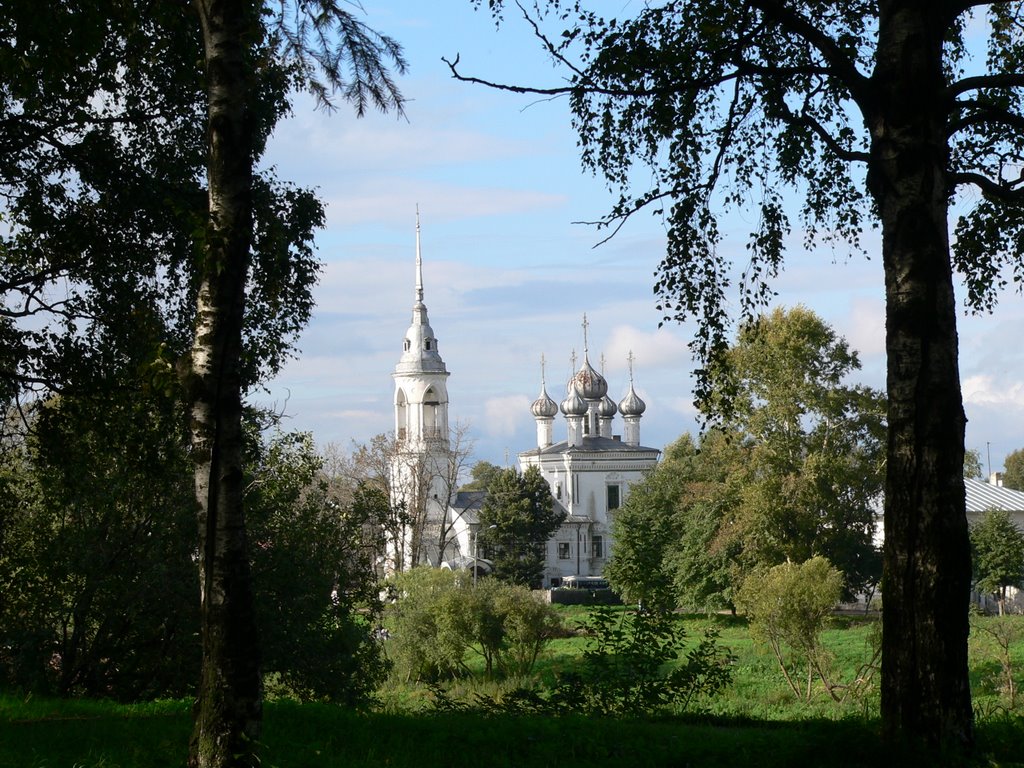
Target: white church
x,y
589,472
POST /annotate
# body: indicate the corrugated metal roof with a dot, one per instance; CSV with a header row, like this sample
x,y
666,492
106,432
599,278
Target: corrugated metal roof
x,y
982,496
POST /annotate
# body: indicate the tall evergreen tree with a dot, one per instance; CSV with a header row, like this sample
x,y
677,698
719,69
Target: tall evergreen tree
x,y
517,518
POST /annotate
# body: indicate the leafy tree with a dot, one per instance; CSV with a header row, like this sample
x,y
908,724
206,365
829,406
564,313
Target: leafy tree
x,y
483,473
647,526
427,624
523,515
438,617
972,465
815,459
793,474
788,606
315,589
1013,464
998,547
107,125
857,112
96,565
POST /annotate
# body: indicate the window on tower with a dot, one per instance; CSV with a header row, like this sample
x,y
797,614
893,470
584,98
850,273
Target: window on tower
x,y
427,344
407,345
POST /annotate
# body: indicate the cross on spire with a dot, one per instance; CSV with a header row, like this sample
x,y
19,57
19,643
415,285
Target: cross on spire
x,y
542,362
629,359
585,345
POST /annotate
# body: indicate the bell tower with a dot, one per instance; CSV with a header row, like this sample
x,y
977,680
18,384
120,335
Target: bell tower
x,y
422,453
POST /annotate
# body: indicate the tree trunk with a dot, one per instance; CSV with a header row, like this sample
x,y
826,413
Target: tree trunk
x,y
926,581
229,706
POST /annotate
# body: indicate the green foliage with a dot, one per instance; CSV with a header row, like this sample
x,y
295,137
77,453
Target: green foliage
x,y
793,474
998,554
96,571
483,473
972,464
315,591
428,635
517,518
97,566
626,669
996,637
1013,466
438,617
788,607
102,173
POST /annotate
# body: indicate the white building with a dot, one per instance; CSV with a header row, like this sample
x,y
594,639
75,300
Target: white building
x,y
589,472
420,467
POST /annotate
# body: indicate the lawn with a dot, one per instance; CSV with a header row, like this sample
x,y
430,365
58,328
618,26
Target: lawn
x,y
756,722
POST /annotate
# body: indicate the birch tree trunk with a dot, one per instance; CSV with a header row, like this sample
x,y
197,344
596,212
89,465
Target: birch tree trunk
x,y
926,581
229,706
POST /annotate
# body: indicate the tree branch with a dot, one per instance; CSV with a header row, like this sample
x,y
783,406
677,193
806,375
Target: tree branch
x,y
840,65
989,187
985,114
979,82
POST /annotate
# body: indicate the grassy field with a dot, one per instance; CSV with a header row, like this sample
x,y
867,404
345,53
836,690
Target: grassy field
x,y
757,722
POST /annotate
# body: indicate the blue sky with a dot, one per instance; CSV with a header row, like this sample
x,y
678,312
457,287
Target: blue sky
x,y
508,275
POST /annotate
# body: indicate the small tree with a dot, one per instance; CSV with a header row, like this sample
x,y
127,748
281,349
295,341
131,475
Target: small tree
x,y
998,547
788,606
972,464
998,635
438,617
483,473
523,515
427,623
1013,474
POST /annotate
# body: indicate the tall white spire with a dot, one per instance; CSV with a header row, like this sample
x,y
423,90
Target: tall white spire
x,y
419,260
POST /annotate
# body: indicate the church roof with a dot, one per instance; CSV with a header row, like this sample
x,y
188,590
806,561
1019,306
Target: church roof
x,y
590,444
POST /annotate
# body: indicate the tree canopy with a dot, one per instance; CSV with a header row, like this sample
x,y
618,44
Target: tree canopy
x,y
517,518
1013,464
998,547
795,473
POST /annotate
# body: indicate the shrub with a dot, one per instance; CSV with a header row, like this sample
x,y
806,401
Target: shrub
x,y
788,607
438,617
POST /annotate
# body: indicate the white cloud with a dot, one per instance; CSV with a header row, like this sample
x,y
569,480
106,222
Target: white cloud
x,y
986,390
502,415
652,350
865,327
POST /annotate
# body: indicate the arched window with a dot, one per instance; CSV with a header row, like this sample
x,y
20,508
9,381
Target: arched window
x,y
401,415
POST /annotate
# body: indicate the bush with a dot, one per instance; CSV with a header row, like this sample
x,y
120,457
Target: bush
x,y
438,618
788,607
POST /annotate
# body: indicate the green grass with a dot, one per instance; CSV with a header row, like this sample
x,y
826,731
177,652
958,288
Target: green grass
x,y
51,734
756,722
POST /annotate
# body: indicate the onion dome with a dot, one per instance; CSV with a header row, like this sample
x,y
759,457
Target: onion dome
x,y
631,404
574,405
544,406
589,383
607,408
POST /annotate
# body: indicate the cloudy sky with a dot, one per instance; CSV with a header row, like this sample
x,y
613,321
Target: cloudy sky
x,y
508,275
